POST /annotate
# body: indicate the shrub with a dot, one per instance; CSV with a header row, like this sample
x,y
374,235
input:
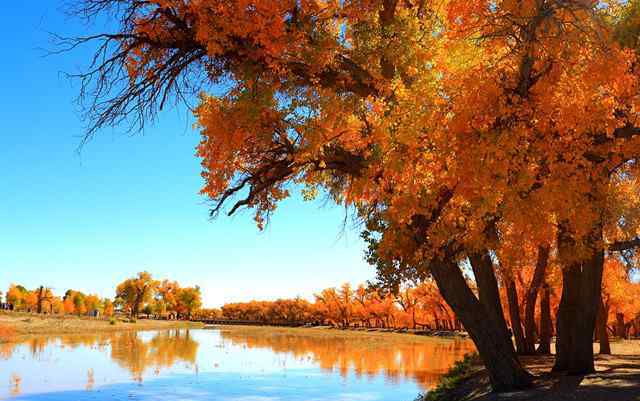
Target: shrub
x,y
458,372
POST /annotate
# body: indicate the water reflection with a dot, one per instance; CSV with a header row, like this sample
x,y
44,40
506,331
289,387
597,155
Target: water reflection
x,y
164,350
14,385
423,360
130,350
228,364
91,381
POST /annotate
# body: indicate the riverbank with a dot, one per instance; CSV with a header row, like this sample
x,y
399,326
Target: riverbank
x,y
336,331
21,324
617,378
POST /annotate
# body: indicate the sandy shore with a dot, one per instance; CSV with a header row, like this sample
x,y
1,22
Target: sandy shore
x,y
25,323
373,335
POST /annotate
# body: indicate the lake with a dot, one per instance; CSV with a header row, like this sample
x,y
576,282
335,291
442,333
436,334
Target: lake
x,y
229,364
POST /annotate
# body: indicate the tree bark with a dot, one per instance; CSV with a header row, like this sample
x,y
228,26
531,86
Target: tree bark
x,y
601,329
514,315
488,293
531,299
495,349
544,347
579,304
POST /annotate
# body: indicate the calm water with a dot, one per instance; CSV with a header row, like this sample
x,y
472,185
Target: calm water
x,y
229,365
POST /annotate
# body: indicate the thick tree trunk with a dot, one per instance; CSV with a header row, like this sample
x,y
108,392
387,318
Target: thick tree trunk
x,y
545,321
532,296
514,314
488,292
601,329
495,349
579,304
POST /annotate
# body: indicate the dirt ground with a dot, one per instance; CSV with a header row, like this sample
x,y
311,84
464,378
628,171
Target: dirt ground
x,y
617,378
371,336
25,323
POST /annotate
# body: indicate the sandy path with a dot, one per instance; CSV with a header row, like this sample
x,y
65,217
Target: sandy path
x,y
617,378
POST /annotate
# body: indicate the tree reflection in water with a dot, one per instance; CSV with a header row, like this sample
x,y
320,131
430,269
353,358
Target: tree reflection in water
x,y
422,360
396,358
129,349
91,381
14,385
164,350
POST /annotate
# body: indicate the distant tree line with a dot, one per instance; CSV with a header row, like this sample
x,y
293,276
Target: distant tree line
x,y
137,295
392,302
43,300
416,307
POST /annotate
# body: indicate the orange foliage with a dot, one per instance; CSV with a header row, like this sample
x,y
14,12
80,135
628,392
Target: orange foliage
x,y
69,307
621,298
449,126
419,307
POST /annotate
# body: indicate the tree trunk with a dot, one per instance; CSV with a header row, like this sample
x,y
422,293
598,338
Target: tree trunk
x,y
495,349
621,328
634,325
488,293
545,321
40,299
514,314
531,299
413,317
601,329
579,304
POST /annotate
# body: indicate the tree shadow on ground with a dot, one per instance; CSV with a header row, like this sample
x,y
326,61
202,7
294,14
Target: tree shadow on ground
x,y
617,378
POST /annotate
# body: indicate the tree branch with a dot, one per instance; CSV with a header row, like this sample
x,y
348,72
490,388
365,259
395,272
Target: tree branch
x,y
620,246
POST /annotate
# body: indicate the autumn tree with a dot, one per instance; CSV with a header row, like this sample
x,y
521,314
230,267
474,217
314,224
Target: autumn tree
x,y
76,302
44,298
165,298
443,124
16,296
107,307
337,304
189,300
347,308
620,299
68,306
535,286
31,301
137,291
208,314
57,305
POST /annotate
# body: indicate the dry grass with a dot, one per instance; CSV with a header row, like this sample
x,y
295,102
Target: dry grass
x,y
7,333
25,323
325,331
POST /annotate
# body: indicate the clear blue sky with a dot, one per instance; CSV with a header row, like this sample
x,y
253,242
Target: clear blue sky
x,y
123,204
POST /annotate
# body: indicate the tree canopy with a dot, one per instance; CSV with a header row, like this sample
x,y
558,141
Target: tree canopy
x,y
461,131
